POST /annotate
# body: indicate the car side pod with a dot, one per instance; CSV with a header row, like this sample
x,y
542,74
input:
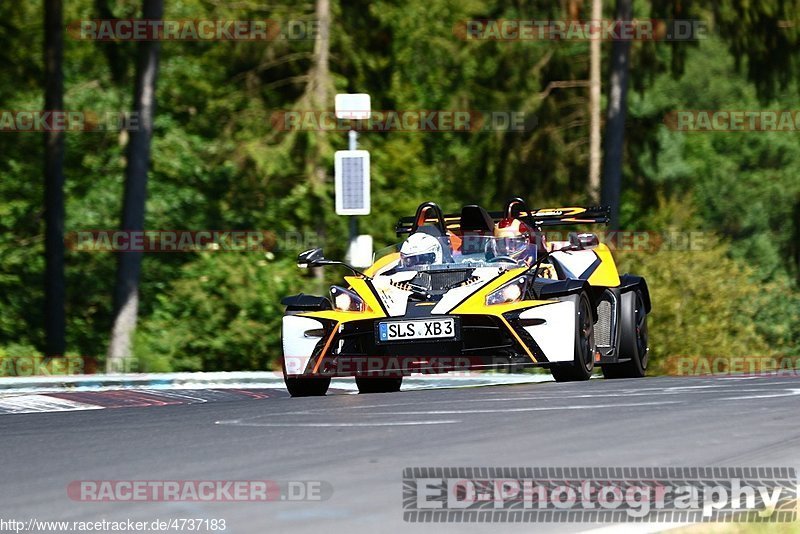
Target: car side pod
x,y
300,336
552,328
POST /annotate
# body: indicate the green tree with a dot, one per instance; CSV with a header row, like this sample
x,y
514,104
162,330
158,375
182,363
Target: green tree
x,y
126,294
54,279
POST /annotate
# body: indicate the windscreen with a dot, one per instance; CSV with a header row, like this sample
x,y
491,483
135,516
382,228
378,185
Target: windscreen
x,y
468,251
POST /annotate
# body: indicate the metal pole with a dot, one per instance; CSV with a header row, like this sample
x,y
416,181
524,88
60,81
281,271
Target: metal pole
x,y
595,148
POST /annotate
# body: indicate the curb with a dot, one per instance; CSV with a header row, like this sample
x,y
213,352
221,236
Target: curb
x,y
253,379
152,380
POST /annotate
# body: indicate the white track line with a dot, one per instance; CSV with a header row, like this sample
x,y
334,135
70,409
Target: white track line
x,y
530,409
237,422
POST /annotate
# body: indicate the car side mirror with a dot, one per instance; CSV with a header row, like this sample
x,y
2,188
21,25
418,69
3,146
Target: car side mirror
x,y
583,241
310,258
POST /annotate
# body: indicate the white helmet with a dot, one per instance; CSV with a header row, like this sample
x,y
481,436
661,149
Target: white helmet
x,y
420,249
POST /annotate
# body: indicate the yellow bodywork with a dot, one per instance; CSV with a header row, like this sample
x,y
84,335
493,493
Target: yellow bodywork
x,y
381,263
606,274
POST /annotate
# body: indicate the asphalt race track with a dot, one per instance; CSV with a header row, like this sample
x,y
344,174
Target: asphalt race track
x,y
359,444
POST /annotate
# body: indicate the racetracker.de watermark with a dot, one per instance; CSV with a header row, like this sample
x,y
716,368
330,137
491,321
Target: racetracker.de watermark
x,y
199,490
193,30
640,240
597,495
39,365
398,365
752,365
729,120
22,121
189,240
414,120
580,30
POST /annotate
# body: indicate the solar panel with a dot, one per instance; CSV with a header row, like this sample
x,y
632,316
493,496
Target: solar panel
x,y
352,182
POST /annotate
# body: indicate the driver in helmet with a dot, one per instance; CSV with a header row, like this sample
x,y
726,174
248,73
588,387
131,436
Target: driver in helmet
x,y
421,249
515,240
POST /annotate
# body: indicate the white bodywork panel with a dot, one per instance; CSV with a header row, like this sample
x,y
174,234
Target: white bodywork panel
x,y
576,262
297,348
452,298
394,299
556,336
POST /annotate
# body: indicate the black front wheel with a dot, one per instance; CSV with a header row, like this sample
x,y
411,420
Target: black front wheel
x,y
307,387
378,384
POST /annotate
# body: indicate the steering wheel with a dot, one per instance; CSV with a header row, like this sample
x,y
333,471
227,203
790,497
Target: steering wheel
x,y
506,259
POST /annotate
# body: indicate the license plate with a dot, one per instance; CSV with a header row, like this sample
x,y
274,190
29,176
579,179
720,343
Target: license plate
x,y
415,330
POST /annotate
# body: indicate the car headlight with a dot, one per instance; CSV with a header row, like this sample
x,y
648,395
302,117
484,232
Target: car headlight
x,y
511,292
346,300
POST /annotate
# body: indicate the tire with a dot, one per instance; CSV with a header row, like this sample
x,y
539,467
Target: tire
x,y
582,366
307,387
633,339
299,386
379,384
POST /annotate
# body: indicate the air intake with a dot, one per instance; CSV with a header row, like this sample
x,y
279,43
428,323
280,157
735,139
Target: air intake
x,y
604,324
440,280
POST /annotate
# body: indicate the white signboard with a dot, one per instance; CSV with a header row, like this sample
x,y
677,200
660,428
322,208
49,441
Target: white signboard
x,y
353,106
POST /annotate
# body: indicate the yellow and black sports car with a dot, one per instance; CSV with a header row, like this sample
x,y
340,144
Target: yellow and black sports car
x,y
471,291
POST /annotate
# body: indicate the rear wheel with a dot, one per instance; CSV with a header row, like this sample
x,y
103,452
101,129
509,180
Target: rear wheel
x,y
303,386
633,340
582,366
383,384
